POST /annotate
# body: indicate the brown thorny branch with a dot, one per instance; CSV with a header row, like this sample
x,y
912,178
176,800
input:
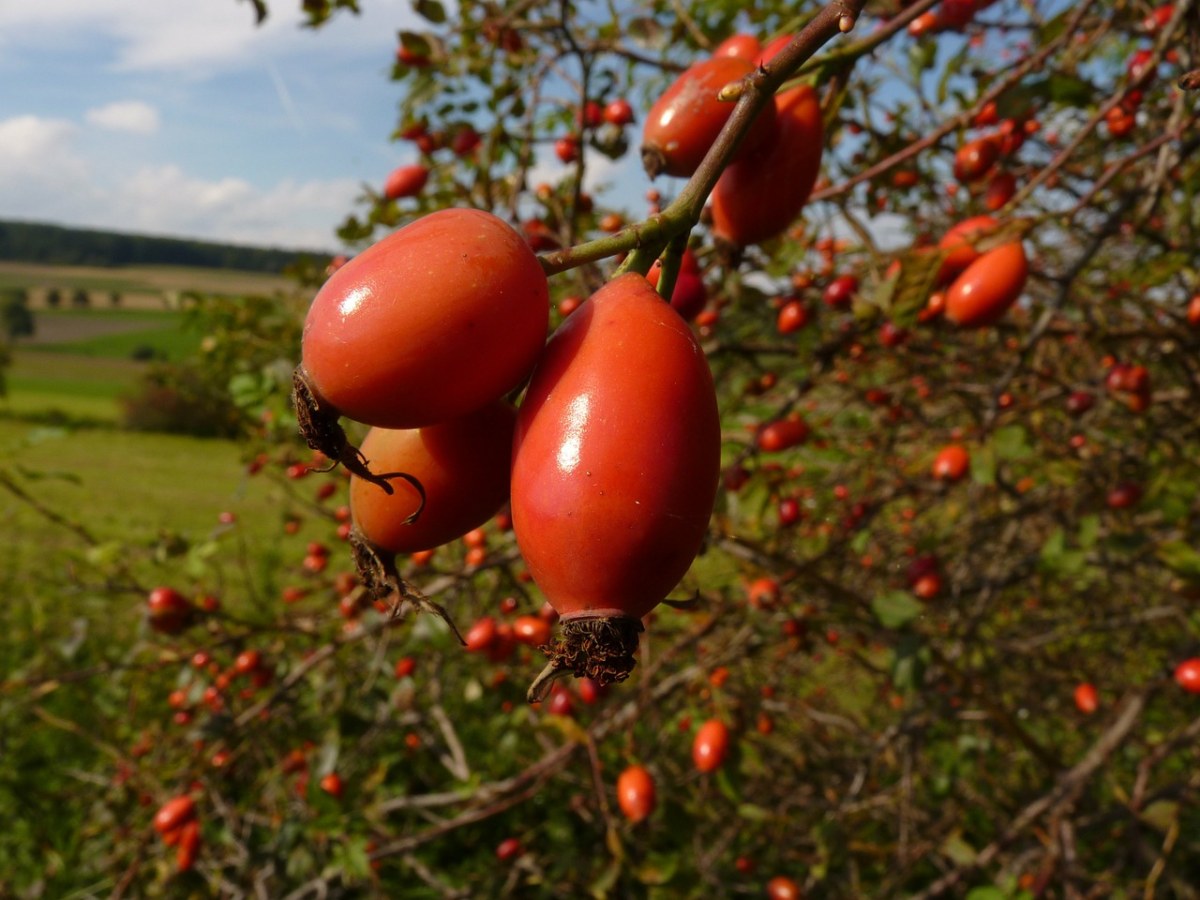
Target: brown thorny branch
x,y
494,798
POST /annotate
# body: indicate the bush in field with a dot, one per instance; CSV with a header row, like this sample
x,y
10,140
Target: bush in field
x,y
940,638
240,366
180,399
16,319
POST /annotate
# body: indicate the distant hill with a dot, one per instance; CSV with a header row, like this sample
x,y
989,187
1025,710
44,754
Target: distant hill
x,y
57,245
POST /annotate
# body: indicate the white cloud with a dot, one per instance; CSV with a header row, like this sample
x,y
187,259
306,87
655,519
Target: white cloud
x,y
199,38
125,115
37,149
166,200
45,178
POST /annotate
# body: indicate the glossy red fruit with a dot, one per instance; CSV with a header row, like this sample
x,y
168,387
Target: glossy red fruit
x,y
982,294
1079,402
788,513
793,316
618,112
168,610
412,58
711,745
928,586
1087,699
763,593
687,118
739,46
959,246
1128,378
432,322
636,793
1159,18
839,292
1187,675
782,434
509,849
616,459
783,888
1123,496
591,116
1193,312
247,661
762,191
1140,67
561,702
174,814
951,463
567,149
462,465
465,140
332,784
925,23
189,847
975,159
1001,188
1119,122
481,635
406,181
689,294
531,630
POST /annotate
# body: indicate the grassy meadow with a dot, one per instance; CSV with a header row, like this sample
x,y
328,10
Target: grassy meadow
x,y
59,416
82,359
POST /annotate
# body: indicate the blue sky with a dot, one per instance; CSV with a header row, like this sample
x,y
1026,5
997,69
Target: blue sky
x,y
181,117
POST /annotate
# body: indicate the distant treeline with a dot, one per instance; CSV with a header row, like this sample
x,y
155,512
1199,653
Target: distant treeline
x,y
56,245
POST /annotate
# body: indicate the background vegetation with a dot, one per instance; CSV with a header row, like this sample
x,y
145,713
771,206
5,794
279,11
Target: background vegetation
x,y
887,739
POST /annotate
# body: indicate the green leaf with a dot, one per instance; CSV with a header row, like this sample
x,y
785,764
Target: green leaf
x,y
986,893
983,466
908,663
1181,558
952,68
903,296
431,10
1011,442
1089,531
1068,90
1161,814
962,853
920,57
896,609
1056,26
753,813
659,869
1054,547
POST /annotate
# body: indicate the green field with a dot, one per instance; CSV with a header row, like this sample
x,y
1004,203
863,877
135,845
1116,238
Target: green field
x,y
79,362
161,333
58,438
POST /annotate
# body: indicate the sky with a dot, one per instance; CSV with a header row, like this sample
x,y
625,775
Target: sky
x,y
180,117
